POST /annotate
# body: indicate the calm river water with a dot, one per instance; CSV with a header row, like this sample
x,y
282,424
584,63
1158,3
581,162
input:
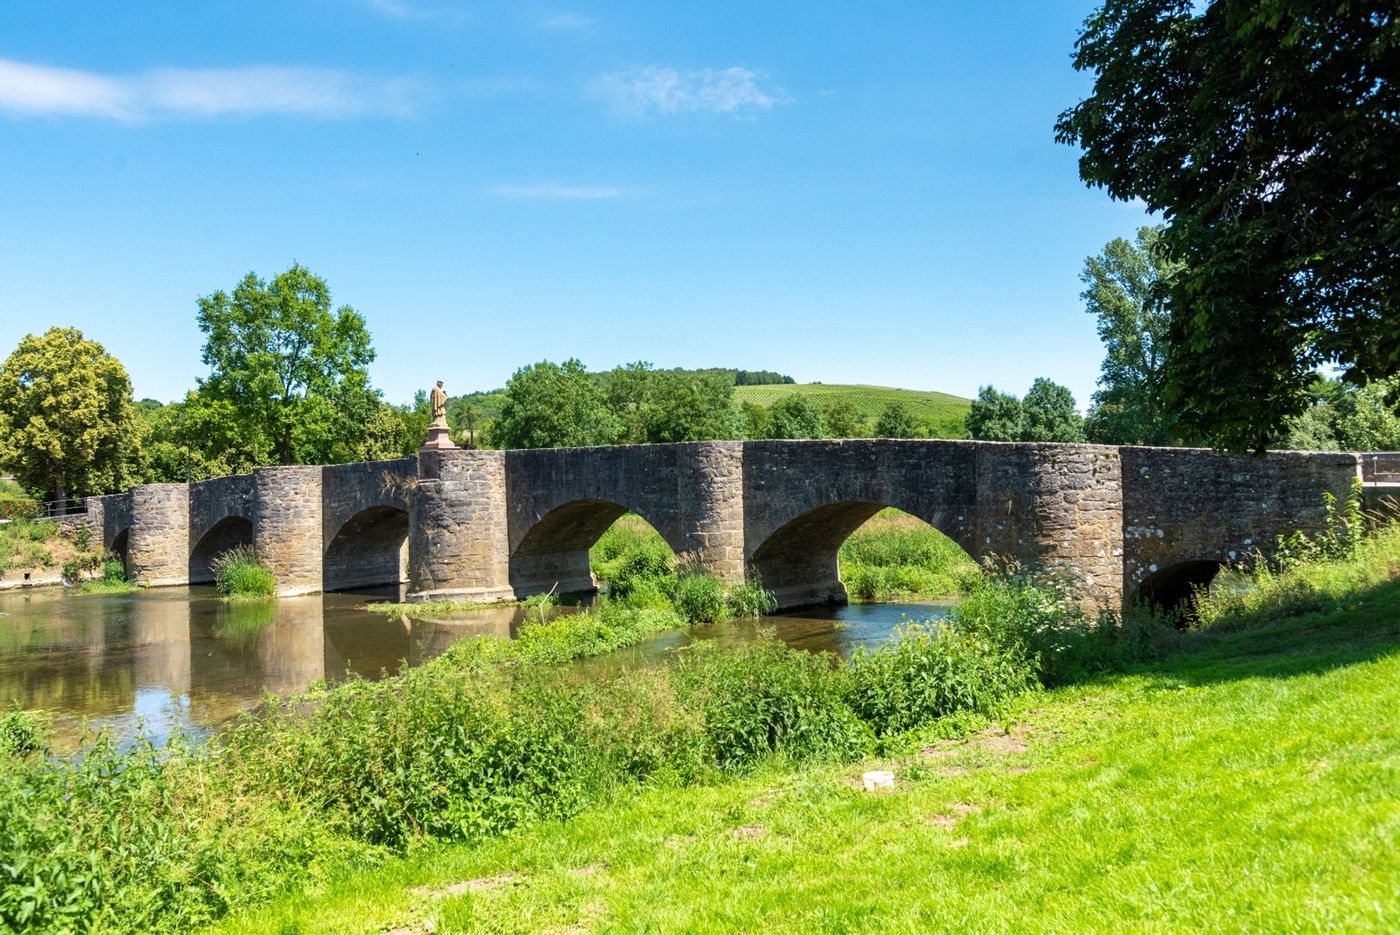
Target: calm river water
x,y
180,658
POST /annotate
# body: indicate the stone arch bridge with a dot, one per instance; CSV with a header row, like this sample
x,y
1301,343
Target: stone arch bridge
x,y
1123,522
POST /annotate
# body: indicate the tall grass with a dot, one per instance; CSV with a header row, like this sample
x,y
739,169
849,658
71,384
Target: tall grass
x,y
238,573
897,557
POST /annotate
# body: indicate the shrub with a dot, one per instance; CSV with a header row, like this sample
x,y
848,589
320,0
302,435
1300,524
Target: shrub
x,y
239,573
72,571
22,732
750,599
768,700
601,629
82,538
700,598
113,571
931,670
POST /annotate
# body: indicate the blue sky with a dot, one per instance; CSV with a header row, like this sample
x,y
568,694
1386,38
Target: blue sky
x,y
851,193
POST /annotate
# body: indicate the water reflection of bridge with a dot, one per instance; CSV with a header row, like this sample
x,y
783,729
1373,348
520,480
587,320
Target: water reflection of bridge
x,y
173,659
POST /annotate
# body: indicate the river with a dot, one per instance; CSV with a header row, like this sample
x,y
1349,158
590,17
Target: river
x,y
170,659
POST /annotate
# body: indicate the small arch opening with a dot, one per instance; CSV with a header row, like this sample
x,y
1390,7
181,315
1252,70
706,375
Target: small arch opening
x,y
370,550
557,554
226,534
1172,590
119,548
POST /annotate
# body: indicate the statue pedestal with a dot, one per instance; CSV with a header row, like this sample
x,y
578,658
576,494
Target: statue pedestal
x,y
438,438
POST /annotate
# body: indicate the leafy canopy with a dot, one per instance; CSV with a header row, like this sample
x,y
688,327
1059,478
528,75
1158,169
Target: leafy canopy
x,y
290,369
1267,133
1126,291
67,423
795,416
995,416
549,405
670,405
1047,414
896,421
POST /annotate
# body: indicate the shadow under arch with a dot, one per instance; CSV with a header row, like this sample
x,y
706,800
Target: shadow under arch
x,y
369,550
119,547
1171,588
228,533
799,561
553,553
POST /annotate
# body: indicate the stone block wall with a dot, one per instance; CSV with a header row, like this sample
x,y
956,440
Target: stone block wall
x,y
1056,507
458,542
1189,505
287,534
158,542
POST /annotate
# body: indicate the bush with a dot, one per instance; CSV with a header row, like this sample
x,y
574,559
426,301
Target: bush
x,y
22,732
768,700
238,573
113,571
750,599
72,571
700,598
603,628
932,670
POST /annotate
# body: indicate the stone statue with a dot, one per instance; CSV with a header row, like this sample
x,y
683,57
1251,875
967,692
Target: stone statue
x,y
439,435
438,399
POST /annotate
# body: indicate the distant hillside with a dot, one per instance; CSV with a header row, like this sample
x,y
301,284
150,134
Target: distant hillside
x,y
943,411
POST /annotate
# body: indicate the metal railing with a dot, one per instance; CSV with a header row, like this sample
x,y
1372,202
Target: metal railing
x,y
70,506
1380,467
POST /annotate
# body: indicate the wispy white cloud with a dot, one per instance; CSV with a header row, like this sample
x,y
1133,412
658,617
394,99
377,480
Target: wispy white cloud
x,y
568,22
655,89
550,191
36,90
402,9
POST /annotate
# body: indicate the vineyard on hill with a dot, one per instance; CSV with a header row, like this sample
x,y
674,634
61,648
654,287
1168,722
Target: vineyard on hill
x,y
944,412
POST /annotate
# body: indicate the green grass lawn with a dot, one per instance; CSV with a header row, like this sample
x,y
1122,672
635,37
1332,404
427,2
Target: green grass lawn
x,y
943,411
1250,784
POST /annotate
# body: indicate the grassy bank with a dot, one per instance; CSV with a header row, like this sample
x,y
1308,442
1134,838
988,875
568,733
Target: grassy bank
x,y
943,412
1246,778
895,557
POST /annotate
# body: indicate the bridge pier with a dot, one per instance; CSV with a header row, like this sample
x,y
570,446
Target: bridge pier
x,y
457,542
157,551
710,494
287,533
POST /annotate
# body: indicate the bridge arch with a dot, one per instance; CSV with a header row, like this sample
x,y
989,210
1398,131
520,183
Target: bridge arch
x,y
119,547
1171,588
553,553
799,561
223,535
369,549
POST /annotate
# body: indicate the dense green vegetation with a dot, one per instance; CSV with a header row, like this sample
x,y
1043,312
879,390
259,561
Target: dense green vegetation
x,y
1046,414
1253,763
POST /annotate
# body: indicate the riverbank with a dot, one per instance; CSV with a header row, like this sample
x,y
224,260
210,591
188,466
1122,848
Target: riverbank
x,y
1250,780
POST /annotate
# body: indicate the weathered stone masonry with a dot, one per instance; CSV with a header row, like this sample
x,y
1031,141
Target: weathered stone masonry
x,y
492,525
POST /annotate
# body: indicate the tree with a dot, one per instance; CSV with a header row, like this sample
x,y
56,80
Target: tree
x,y
795,416
1265,132
67,423
843,420
995,416
896,421
669,405
549,405
1126,292
197,438
1048,414
1364,421
753,420
290,368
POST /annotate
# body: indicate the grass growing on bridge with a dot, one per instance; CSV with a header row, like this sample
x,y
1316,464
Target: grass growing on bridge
x,y
1247,780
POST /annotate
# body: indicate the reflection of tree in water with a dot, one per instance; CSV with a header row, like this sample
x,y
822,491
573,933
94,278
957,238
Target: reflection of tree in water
x,y
240,623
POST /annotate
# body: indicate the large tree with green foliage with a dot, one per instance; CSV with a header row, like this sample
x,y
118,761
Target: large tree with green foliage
x,y
549,405
1048,414
1266,133
896,421
995,416
67,423
669,405
197,438
289,367
795,416
1126,291
843,420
